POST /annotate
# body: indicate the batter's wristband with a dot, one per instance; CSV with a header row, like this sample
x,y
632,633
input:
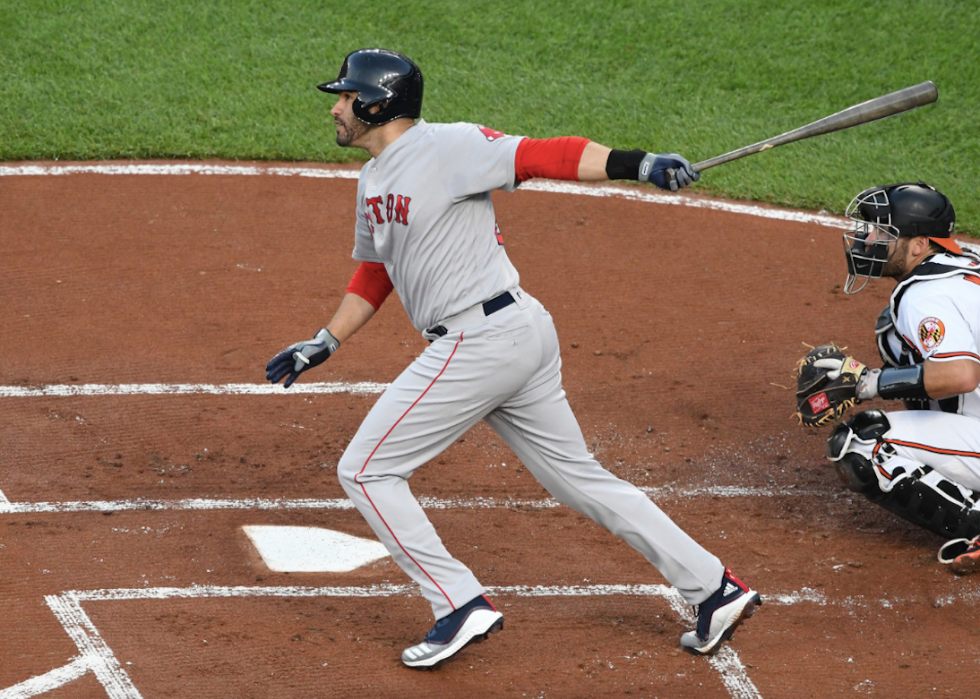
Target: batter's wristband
x,y
624,164
902,382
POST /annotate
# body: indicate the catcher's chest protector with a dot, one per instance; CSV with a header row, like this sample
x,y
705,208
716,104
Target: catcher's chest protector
x,y
894,349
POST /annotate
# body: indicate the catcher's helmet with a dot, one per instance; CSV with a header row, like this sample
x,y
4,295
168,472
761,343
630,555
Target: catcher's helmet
x,y
381,77
893,211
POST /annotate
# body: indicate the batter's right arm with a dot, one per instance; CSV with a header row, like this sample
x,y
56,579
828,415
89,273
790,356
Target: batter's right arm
x,y
575,158
665,170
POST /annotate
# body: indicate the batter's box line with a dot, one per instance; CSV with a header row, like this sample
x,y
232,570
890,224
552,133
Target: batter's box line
x,y
97,657
204,504
182,389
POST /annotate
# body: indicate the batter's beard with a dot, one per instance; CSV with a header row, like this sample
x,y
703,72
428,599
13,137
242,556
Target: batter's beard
x,y
353,129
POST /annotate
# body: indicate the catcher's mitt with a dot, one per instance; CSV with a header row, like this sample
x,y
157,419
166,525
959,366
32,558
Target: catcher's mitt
x,y
826,385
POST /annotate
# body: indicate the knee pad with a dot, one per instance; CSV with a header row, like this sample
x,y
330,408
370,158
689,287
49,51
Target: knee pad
x,y
866,426
857,473
924,496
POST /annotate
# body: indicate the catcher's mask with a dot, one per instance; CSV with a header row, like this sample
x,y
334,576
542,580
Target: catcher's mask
x,y
380,77
889,212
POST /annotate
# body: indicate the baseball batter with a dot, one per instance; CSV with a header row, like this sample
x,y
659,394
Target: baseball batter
x,y
922,463
426,227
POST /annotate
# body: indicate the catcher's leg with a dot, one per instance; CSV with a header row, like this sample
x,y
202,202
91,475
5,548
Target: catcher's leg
x,y
868,464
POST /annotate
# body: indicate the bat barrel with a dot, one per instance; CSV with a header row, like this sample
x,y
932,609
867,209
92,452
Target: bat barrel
x,y
872,110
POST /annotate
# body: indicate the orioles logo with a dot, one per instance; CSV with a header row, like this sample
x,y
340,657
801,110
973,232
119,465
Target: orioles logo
x,y
491,134
931,333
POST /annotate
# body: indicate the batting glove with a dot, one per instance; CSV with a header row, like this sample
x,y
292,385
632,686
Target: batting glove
x,y
667,171
300,357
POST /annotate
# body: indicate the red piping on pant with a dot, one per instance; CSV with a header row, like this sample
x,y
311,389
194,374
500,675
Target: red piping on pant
x,y
378,446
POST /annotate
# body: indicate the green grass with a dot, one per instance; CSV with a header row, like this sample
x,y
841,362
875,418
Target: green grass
x,y
141,79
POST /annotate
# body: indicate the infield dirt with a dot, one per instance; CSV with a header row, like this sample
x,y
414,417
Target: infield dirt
x,y
680,329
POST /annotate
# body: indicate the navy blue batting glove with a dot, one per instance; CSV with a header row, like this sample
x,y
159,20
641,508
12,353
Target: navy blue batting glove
x,y
668,171
293,361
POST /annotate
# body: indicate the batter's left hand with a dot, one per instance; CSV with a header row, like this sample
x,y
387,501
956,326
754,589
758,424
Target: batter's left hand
x,y
667,171
300,357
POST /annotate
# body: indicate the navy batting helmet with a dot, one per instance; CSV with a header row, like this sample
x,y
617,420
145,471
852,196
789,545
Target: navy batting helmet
x,y
380,77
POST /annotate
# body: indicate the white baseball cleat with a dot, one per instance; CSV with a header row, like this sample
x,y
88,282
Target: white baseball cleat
x,y
471,623
720,615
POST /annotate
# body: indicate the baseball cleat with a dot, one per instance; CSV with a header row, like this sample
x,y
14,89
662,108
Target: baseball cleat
x,y
471,623
953,548
965,555
720,615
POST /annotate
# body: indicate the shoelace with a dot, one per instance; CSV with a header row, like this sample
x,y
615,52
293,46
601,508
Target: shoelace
x,y
439,624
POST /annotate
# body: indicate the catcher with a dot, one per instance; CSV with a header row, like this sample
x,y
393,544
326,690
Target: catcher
x,y
922,463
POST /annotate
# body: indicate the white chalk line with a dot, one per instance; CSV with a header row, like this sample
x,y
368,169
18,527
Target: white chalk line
x,y
158,389
97,657
41,684
95,654
204,504
326,172
175,169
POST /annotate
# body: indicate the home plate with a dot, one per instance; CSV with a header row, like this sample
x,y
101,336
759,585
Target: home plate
x,y
312,549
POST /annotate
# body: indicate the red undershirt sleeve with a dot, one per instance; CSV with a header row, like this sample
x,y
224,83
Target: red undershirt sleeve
x,y
554,158
371,283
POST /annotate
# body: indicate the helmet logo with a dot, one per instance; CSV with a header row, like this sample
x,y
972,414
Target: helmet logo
x,y
931,333
491,134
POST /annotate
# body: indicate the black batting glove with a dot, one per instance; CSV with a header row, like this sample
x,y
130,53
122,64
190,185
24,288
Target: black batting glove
x,y
294,360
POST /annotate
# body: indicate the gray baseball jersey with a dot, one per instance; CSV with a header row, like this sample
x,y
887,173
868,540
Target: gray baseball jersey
x,y
424,210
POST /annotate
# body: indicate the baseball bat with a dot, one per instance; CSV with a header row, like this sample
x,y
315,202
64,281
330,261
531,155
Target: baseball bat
x,y
872,110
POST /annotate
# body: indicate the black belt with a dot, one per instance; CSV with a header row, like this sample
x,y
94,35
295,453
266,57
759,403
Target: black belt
x,y
491,306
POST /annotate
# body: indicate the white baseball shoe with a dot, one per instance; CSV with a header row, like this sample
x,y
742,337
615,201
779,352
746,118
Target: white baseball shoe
x,y
471,623
720,615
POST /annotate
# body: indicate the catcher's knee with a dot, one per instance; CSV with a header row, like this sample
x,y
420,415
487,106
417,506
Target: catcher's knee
x,y
867,427
857,473
923,497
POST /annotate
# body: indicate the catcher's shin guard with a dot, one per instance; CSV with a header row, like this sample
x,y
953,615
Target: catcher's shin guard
x,y
923,497
933,502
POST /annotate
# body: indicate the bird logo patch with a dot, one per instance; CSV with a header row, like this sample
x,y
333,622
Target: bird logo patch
x,y
931,333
